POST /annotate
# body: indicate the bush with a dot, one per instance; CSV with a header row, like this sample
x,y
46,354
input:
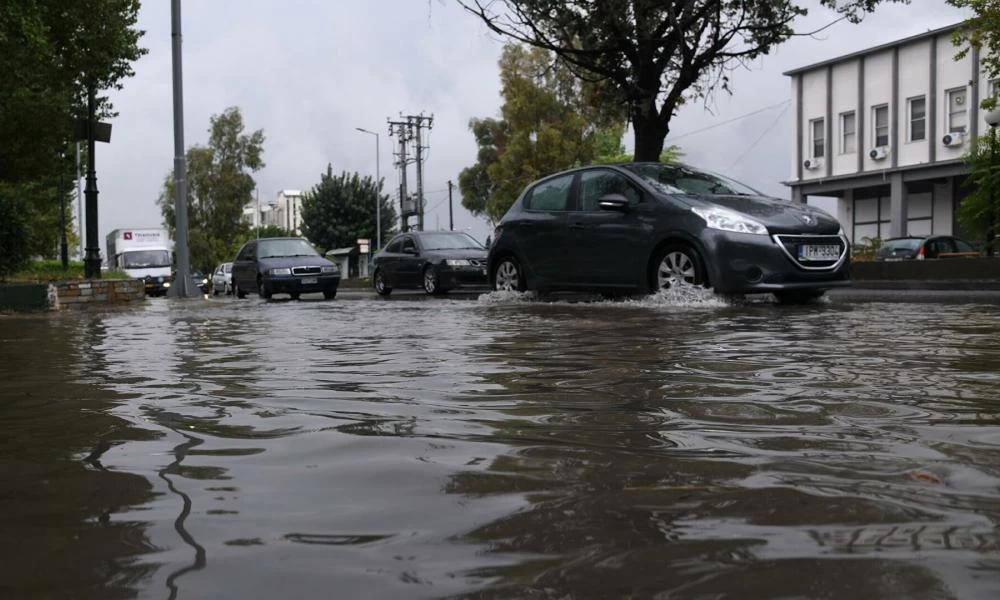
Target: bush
x,y
866,250
15,236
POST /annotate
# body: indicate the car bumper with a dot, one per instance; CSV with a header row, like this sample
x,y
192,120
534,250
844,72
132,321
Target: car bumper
x,y
747,263
303,285
456,277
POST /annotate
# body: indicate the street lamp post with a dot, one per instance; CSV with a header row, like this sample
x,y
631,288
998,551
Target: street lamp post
x,y
378,199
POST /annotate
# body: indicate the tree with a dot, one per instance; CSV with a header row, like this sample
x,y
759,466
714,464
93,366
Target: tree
x,y
219,186
652,56
50,51
981,31
550,121
340,209
271,231
979,212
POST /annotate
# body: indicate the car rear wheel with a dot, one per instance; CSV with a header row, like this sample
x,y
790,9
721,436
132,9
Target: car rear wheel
x,y
798,296
378,281
508,277
675,265
294,296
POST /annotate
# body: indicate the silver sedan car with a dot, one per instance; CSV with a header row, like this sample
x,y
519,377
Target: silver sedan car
x,y
222,279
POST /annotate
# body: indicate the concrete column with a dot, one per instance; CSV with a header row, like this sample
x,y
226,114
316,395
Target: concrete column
x,y
797,196
897,206
845,213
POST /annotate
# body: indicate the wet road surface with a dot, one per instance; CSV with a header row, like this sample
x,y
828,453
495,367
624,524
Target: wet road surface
x,y
494,448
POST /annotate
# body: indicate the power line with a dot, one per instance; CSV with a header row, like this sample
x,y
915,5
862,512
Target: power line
x,y
728,121
759,138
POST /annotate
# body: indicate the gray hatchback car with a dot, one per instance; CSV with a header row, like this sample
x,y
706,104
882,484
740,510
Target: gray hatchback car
x,y
647,226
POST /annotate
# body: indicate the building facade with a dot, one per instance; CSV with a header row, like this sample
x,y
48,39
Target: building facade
x,y
884,131
285,212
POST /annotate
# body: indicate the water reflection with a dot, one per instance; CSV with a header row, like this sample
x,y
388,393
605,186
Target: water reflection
x,y
509,448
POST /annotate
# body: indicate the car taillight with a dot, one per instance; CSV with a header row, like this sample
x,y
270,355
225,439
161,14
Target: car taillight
x,y
920,253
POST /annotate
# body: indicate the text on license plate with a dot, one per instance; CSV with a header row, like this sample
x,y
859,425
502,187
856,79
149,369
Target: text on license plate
x,y
308,280
813,252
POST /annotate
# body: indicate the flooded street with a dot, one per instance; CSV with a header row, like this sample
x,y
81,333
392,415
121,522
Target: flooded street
x,y
498,448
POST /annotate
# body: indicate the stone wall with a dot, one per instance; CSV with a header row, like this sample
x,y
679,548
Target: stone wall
x,y
82,294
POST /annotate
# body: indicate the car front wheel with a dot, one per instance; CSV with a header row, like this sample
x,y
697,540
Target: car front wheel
x,y
432,284
239,291
675,265
507,276
263,290
330,294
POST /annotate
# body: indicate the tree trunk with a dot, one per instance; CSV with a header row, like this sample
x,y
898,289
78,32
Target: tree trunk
x,y
650,133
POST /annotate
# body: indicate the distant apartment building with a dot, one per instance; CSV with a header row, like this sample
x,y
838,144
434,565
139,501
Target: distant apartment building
x,y
884,130
285,212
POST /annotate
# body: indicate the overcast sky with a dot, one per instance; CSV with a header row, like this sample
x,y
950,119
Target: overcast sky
x,y
308,73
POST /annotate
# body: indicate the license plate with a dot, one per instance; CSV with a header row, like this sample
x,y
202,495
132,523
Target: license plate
x,y
309,280
811,252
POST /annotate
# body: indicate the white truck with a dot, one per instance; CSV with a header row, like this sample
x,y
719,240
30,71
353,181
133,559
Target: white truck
x,y
142,254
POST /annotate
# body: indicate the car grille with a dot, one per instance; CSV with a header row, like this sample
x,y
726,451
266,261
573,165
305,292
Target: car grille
x,y
790,244
306,270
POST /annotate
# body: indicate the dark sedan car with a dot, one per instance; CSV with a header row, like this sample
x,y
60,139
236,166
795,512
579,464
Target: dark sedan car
x,y
647,226
283,265
919,248
436,261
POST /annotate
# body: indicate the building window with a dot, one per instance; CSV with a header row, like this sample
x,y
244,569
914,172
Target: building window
x,y
817,126
918,118
958,115
848,135
880,125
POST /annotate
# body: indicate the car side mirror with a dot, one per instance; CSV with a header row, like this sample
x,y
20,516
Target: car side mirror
x,y
615,202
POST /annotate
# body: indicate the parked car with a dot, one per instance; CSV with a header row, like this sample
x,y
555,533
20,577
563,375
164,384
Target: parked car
x,y
222,279
921,247
647,226
283,265
198,281
437,261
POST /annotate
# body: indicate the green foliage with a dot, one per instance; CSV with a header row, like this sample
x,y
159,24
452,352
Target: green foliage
x,y
982,31
340,209
271,231
866,249
219,186
49,51
14,230
550,121
650,56
51,270
979,212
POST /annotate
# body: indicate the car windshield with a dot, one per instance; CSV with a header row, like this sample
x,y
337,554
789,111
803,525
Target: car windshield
x,y
144,259
903,244
276,248
448,241
679,179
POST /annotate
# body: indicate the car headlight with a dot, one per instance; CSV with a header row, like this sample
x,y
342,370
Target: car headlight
x,y
281,271
457,262
724,219
166,284
333,269
204,281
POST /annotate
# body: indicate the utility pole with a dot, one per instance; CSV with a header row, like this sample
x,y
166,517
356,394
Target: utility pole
x,y
181,286
451,216
418,123
63,245
401,129
79,201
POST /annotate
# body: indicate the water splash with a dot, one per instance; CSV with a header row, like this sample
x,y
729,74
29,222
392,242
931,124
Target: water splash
x,y
507,297
685,296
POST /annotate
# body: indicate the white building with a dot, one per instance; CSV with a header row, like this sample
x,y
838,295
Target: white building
x,y
884,131
284,212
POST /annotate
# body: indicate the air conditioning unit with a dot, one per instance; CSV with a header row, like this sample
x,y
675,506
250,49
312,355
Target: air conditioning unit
x,y
812,163
879,153
953,139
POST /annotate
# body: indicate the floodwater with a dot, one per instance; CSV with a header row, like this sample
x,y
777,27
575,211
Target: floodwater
x,y
500,448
